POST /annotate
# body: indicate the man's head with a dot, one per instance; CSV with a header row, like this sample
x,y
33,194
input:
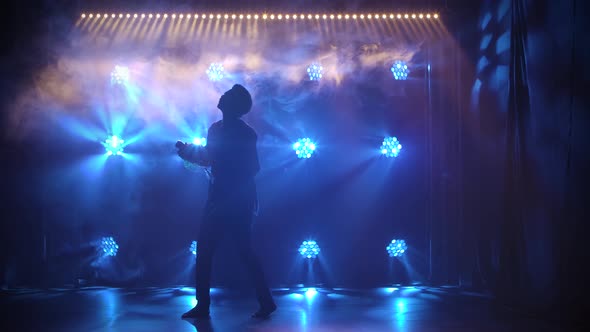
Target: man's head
x,y
235,102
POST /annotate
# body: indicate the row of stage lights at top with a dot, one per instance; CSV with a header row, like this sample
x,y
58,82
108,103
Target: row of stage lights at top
x,y
216,72
270,16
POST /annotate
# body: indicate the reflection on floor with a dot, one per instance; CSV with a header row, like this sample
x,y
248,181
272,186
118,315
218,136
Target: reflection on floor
x,y
300,309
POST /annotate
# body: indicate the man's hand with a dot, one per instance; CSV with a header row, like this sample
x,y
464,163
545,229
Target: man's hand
x,y
194,154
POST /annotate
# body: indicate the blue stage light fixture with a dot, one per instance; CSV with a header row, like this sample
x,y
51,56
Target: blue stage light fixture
x,y
396,248
391,147
200,141
109,246
304,148
216,72
400,70
120,75
314,71
309,249
193,248
113,145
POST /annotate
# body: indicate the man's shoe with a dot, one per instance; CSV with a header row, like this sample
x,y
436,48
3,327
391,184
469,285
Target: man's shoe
x,y
265,311
196,312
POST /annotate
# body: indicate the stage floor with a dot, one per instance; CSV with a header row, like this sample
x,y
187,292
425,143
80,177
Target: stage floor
x,y
300,309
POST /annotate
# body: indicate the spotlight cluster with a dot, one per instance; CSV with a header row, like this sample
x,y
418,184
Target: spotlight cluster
x,y
314,71
114,146
396,248
390,147
309,249
270,16
304,148
193,248
120,75
109,246
215,72
400,70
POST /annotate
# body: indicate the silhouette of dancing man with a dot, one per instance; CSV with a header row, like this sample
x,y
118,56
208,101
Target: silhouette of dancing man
x,y
232,198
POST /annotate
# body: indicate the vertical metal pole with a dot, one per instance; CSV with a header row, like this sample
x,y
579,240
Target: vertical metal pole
x,y
459,167
430,185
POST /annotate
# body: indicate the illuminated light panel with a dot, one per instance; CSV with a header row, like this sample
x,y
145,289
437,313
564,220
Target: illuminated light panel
x,y
193,248
215,72
120,75
396,248
400,70
315,71
309,249
304,148
391,147
108,246
113,146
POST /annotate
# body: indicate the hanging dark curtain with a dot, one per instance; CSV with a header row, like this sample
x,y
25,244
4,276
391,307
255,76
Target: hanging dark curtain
x,y
512,276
